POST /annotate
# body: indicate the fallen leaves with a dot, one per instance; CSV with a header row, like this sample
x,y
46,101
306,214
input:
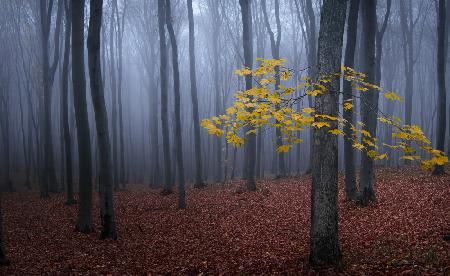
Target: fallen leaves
x,y
227,232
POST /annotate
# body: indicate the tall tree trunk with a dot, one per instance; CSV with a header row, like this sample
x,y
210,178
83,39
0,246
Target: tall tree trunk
x,y
65,106
275,47
107,215
349,159
177,98
218,101
48,174
112,72
324,238
195,115
84,219
369,99
250,143
120,29
164,100
441,63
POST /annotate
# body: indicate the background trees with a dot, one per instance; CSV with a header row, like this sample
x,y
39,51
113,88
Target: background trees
x,y
145,132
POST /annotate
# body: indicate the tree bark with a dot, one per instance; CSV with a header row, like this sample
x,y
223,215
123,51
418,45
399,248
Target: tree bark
x,y
107,215
349,159
275,47
112,73
250,142
195,116
441,64
164,100
84,219
324,238
65,106
369,100
177,98
48,181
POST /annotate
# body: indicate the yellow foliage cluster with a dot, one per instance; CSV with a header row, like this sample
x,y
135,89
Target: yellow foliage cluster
x,y
264,105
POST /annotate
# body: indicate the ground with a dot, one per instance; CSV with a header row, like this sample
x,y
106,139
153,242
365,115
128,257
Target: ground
x,y
227,231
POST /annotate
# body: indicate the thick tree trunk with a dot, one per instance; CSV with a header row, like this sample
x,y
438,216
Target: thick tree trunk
x,y
84,219
369,99
250,142
65,106
177,98
324,238
164,100
107,215
195,116
441,62
349,159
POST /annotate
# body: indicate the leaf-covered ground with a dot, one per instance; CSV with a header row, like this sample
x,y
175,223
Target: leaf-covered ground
x,y
227,231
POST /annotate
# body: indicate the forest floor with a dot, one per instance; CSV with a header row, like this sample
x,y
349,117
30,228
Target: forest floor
x,y
227,231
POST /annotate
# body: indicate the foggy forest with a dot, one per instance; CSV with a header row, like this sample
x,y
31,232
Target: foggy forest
x,y
224,137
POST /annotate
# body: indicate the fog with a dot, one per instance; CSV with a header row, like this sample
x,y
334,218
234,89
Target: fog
x,y
218,47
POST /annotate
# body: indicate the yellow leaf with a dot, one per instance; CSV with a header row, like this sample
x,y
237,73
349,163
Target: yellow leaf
x,y
283,148
243,72
320,124
348,105
314,92
392,96
336,131
308,110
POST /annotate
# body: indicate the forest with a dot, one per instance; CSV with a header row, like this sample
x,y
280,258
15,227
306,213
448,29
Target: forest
x,y
224,137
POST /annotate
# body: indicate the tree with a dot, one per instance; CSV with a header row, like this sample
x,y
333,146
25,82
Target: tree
x,y
177,98
112,72
311,51
247,41
164,92
48,176
324,238
275,47
64,103
349,60
84,219
369,99
408,23
195,116
441,64
107,215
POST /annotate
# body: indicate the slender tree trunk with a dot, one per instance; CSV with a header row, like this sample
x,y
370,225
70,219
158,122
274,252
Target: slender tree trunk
x,y
164,100
120,29
112,73
275,47
177,98
349,159
324,238
107,214
195,115
250,143
369,100
65,106
217,103
84,219
441,62
49,182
